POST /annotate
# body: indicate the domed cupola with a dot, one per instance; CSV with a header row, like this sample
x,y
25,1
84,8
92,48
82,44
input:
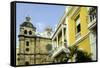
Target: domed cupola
x,y
27,28
27,23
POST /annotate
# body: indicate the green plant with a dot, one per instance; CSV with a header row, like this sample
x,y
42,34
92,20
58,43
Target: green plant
x,y
83,56
73,50
80,56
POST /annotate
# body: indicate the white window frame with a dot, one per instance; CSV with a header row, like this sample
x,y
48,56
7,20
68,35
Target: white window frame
x,y
77,23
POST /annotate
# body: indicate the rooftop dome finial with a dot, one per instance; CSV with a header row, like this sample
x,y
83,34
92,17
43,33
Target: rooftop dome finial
x,y
28,18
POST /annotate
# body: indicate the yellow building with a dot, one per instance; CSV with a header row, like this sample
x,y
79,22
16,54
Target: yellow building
x,y
77,27
79,30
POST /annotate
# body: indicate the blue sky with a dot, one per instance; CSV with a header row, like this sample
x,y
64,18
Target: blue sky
x,y
41,15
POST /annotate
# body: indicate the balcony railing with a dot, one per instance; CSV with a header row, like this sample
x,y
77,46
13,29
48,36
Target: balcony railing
x,y
92,24
92,18
58,50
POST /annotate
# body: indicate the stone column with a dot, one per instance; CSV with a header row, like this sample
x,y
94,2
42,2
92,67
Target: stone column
x,y
57,40
62,35
53,44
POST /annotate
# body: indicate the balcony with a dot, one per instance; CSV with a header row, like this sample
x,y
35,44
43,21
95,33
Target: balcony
x,y
92,18
92,24
59,50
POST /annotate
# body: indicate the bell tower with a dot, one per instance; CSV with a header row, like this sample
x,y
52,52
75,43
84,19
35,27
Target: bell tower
x,y
27,28
26,42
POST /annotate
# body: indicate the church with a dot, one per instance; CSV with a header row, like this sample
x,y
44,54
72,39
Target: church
x,y
33,48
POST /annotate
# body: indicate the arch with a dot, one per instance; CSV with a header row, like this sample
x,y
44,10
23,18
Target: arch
x,y
25,31
27,49
30,32
26,63
27,43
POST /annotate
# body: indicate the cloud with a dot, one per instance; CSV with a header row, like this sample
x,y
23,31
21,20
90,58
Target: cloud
x,y
55,26
40,26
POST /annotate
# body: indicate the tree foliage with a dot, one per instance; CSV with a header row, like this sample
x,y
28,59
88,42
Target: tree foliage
x,y
80,55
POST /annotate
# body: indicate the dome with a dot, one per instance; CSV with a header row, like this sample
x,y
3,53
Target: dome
x,y
27,23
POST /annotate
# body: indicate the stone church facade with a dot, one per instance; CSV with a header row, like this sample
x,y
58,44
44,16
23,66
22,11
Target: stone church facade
x,y
33,49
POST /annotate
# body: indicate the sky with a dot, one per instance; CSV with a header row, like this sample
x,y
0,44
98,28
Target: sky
x,y
42,15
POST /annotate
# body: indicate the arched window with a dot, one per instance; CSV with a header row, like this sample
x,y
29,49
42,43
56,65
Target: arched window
x,y
30,32
18,59
27,49
25,31
27,43
26,63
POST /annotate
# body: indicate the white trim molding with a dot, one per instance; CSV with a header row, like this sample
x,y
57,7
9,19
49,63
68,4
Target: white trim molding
x,y
59,50
92,24
80,39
